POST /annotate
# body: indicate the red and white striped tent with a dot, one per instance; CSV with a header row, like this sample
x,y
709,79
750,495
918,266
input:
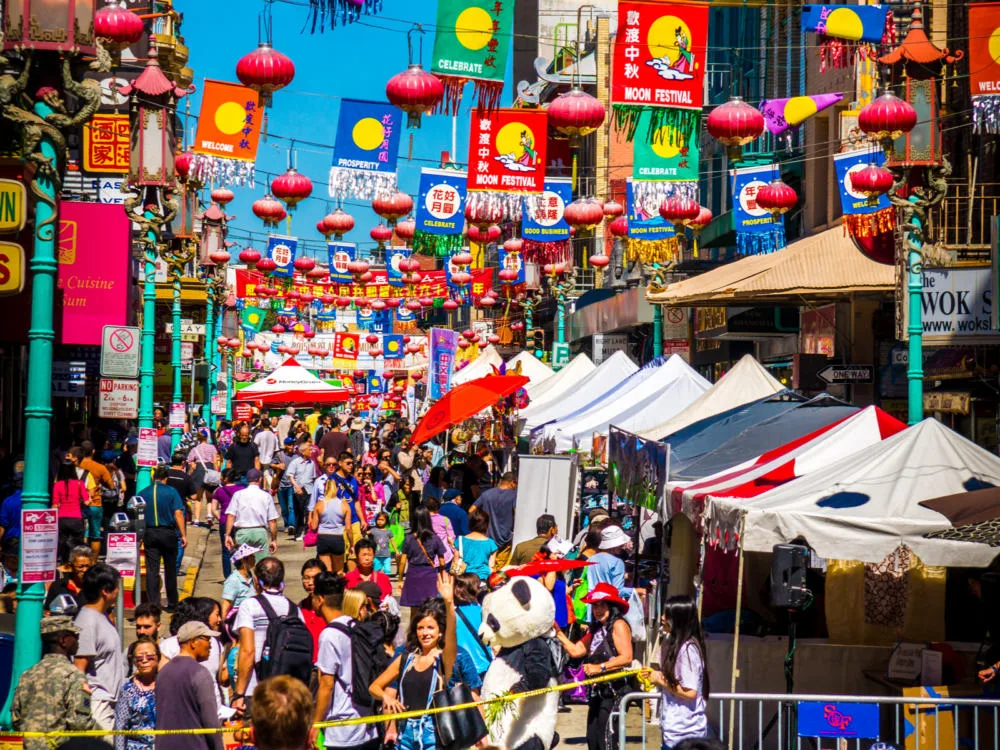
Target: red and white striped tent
x,y
292,384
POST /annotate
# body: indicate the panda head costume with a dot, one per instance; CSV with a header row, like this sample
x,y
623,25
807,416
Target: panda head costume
x,y
517,618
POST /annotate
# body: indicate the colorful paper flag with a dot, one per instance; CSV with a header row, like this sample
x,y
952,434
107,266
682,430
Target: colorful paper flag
x,y
440,212
659,65
782,114
252,318
862,217
225,144
366,149
856,23
757,232
393,346
281,250
346,345
339,255
506,158
984,66
472,43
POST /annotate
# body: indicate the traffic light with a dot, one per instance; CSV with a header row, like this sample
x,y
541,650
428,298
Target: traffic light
x,y
536,342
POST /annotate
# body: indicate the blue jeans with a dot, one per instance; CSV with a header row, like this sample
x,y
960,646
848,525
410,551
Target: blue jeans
x,y
286,501
227,565
418,734
180,552
383,564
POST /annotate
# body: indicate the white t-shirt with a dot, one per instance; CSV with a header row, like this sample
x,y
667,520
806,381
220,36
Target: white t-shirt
x,y
267,446
334,658
251,615
99,639
680,718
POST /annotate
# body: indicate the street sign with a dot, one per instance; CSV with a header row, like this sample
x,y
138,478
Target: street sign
x,y
560,355
178,415
119,399
147,453
69,379
847,374
120,352
191,329
123,553
242,412
187,353
39,544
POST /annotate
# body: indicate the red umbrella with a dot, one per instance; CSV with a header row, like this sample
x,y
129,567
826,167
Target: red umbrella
x,y
464,401
546,566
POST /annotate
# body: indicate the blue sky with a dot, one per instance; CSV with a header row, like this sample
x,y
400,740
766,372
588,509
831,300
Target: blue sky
x,y
352,61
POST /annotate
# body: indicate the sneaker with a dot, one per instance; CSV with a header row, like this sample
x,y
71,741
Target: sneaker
x,y
299,538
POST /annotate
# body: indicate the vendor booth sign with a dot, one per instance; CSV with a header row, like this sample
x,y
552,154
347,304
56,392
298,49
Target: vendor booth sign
x,y
841,720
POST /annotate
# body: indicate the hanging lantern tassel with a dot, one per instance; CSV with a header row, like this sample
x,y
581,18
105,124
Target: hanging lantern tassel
x,y
654,193
750,243
546,252
356,183
219,171
325,14
986,115
676,122
652,251
870,225
440,245
489,203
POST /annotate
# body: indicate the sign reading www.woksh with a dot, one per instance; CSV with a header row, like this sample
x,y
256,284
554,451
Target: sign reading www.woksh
x,y
957,302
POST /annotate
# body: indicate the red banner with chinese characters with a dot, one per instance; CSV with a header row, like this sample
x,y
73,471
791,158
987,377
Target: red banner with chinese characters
x,y
230,122
432,284
507,151
346,345
984,49
659,56
106,144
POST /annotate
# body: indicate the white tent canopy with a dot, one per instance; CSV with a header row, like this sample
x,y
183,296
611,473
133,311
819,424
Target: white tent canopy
x,y
551,388
479,367
605,378
866,504
532,367
291,383
747,381
673,382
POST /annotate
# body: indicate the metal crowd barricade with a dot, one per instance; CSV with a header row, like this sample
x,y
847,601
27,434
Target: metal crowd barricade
x,y
767,721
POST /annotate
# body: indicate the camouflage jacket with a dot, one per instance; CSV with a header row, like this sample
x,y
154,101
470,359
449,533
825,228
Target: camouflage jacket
x,y
51,696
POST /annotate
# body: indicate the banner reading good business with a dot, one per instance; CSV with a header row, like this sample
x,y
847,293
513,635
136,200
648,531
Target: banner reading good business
x,y
444,344
542,216
339,255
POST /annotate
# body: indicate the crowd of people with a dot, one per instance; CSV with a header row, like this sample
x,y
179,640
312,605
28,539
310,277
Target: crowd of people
x,y
407,541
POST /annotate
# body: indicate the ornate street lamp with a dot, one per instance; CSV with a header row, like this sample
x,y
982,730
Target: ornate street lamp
x,y
212,259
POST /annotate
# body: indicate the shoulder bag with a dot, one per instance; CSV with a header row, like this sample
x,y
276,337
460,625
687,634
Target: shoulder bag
x,y
213,477
460,729
458,565
430,560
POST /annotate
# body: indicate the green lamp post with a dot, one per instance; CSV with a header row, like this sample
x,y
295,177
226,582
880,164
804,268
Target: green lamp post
x,y
228,349
182,252
42,119
656,280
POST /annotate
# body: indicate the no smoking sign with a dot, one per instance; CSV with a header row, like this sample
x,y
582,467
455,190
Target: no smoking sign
x,y
120,352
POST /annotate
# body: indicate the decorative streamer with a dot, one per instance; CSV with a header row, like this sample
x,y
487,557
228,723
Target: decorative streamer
x,y
472,43
225,144
330,13
651,238
984,67
863,217
439,216
782,114
659,66
666,164
543,223
366,149
845,32
757,232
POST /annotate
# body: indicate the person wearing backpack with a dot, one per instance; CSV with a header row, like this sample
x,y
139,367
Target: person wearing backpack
x,y
346,668
273,638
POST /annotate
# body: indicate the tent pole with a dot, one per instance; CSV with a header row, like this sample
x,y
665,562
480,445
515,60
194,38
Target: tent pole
x,y
700,580
736,634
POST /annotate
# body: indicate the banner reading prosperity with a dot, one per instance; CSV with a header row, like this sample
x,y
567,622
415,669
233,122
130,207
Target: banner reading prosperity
x,y
225,144
281,250
863,217
440,215
507,152
756,231
444,344
984,66
472,42
366,149
339,254
659,63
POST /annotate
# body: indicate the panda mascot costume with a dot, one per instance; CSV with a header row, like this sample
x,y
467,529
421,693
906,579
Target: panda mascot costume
x,y
517,618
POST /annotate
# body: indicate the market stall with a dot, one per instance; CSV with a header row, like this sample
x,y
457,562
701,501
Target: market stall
x,y
481,366
531,366
292,384
561,382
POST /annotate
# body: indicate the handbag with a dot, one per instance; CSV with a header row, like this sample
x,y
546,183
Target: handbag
x,y
458,565
456,730
310,538
213,477
430,560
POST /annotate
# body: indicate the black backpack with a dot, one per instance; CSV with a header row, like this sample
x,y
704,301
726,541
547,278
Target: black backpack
x,y
368,660
288,645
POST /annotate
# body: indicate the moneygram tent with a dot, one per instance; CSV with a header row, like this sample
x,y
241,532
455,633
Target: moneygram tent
x,y
480,367
292,384
745,383
536,370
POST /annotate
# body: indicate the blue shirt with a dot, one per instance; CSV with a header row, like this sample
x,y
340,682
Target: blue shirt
x,y
10,516
476,553
605,568
161,502
458,517
467,636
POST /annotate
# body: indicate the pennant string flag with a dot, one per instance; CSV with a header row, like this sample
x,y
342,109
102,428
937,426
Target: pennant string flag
x,y
472,43
666,165
506,160
984,66
440,217
659,65
783,114
366,150
843,31
225,144
757,232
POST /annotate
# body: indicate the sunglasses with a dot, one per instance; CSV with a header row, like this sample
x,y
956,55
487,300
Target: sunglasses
x,y
145,657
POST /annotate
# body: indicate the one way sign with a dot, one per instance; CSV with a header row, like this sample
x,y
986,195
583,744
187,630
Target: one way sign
x,y
847,374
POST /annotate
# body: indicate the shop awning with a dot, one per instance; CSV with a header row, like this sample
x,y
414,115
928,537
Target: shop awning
x,y
824,266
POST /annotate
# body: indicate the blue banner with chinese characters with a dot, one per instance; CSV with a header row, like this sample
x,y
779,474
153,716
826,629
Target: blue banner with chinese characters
x,y
440,206
339,255
375,383
856,23
281,250
393,255
644,220
852,202
757,232
511,262
392,346
444,344
840,720
405,315
542,215
364,155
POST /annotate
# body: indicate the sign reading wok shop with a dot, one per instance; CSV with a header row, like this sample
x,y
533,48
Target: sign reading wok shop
x,y
957,302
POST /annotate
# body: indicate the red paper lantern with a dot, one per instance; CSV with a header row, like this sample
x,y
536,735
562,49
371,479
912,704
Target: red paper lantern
x,y
371,338
292,188
887,118
493,234
222,340
481,214
493,338
599,260
417,377
380,233
735,124
268,210
507,275
576,114
388,375
468,333
463,344
291,295
406,229
486,301
513,246
338,223
407,339
702,220
450,304
266,265
679,210
265,70
233,344
376,352
392,303
182,163
378,304
613,209
328,299
343,302
393,207
777,198
872,181
426,302
306,298
317,273
358,266
584,213
321,228
304,263
409,265
619,227
464,258
414,305
117,28
219,257
222,195
414,91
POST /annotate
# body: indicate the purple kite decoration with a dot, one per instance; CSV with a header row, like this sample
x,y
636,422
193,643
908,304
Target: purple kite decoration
x,y
782,114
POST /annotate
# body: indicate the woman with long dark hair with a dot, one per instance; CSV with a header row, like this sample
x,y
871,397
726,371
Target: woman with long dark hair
x,y
682,677
69,496
423,554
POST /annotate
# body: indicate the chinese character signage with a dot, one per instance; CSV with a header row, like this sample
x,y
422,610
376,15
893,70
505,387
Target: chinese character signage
x,y
756,231
339,255
507,151
659,62
444,344
984,66
668,156
106,144
511,262
441,202
228,132
472,43
542,215
346,345
365,152
393,257
431,284
281,250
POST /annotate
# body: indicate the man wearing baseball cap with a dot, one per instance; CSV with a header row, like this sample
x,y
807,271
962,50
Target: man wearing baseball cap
x,y
185,693
53,695
252,518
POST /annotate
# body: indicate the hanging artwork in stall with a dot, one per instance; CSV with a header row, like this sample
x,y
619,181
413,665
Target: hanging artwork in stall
x,y
757,232
281,250
638,469
472,43
506,159
659,66
864,215
842,31
225,144
651,238
665,165
543,222
339,254
781,115
984,66
440,212
366,149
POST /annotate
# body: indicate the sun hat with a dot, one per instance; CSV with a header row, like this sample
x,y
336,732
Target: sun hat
x,y
195,629
358,423
606,593
612,537
244,550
